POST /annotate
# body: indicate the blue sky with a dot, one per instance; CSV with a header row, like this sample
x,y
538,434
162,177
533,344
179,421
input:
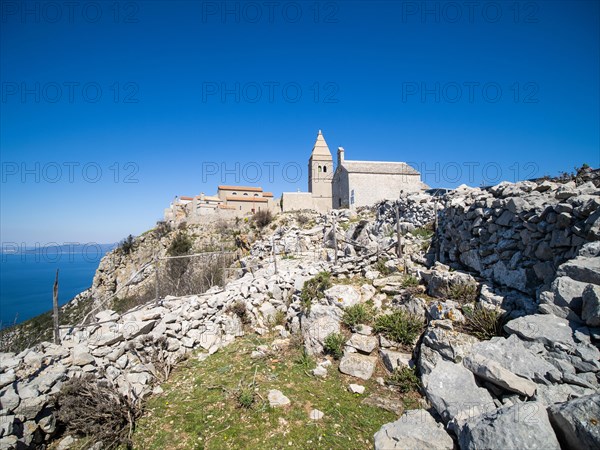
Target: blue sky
x,y
108,112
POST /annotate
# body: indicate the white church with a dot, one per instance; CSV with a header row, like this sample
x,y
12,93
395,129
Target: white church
x,y
352,184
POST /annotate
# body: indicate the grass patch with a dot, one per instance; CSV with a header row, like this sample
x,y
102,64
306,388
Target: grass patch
x,y
425,232
463,292
334,345
354,315
405,379
483,323
399,326
381,267
410,281
198,408
314,288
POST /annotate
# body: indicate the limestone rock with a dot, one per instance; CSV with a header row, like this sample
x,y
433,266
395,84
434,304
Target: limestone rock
x,y
318,324
576,422
276,399
356,388
364,344
392,360
590,312
521,426
342,295
82,356
452,391
546,329
493,372
415,430
512,354
359,366
315,414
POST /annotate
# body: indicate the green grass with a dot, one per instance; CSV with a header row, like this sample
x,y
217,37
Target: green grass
x,y
201,405
482,322
399,326
361,313
334,345
425,232
314,289
405,379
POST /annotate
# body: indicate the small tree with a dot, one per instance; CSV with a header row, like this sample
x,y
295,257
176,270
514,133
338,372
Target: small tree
x,y
127,245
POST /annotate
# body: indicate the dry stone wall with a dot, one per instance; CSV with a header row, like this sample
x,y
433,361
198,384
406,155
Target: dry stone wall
x,y
518,234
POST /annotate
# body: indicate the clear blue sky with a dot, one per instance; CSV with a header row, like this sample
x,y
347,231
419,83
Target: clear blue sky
x,y
149,88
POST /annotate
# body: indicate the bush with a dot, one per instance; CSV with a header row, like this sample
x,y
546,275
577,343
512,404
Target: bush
x,y
357,314
405,379
305,360
399,326
279,318
181,245
463,292
410,281
162,229
95,409
262,218
334,345
381,267
245,397
240,310
314,288
127,245
483,323
302,219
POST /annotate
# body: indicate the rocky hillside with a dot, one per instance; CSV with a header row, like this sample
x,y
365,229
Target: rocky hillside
x,y
487,324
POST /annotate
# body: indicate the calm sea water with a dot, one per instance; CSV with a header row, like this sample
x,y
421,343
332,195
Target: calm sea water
x,y
26,281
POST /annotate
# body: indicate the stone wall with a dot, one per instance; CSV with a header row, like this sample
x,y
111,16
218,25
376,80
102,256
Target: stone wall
x,y
518,234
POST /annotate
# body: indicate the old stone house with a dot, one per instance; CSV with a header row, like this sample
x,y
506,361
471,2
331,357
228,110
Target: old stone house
x,y
230,201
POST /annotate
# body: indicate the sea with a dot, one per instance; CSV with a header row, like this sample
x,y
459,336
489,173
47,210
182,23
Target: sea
x,y
27,279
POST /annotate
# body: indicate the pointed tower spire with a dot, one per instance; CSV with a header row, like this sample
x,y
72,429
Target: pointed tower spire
x,y
320,149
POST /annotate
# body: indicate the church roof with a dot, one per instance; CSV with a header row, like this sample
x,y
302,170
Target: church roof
x,y
381,167
320,148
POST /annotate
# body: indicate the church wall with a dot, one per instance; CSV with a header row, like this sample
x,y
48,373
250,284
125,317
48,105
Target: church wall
x,y
293,201
371,188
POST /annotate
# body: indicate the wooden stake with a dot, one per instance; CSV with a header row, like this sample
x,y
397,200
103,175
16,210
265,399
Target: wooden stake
x,y
55,309
335,246
274,254
398,236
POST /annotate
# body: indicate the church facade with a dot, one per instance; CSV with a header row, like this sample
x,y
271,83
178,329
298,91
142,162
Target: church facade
x,y
352,184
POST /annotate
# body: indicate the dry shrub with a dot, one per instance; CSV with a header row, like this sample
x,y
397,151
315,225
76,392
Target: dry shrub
x,y
262,218
152,351
93,408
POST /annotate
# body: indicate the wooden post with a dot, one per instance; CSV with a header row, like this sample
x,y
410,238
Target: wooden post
x,y
274,253
55,310
156,279
398,235
335,246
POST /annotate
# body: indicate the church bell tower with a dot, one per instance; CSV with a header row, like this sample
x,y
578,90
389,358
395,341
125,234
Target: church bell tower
x,y
320,174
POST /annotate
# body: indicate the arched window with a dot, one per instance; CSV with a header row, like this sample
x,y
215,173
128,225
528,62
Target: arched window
x,y
234,193
256,195
320,169
246,194
324,168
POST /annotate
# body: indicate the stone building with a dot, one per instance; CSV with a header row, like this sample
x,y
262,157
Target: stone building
x,y
353,184
363,183
230,201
